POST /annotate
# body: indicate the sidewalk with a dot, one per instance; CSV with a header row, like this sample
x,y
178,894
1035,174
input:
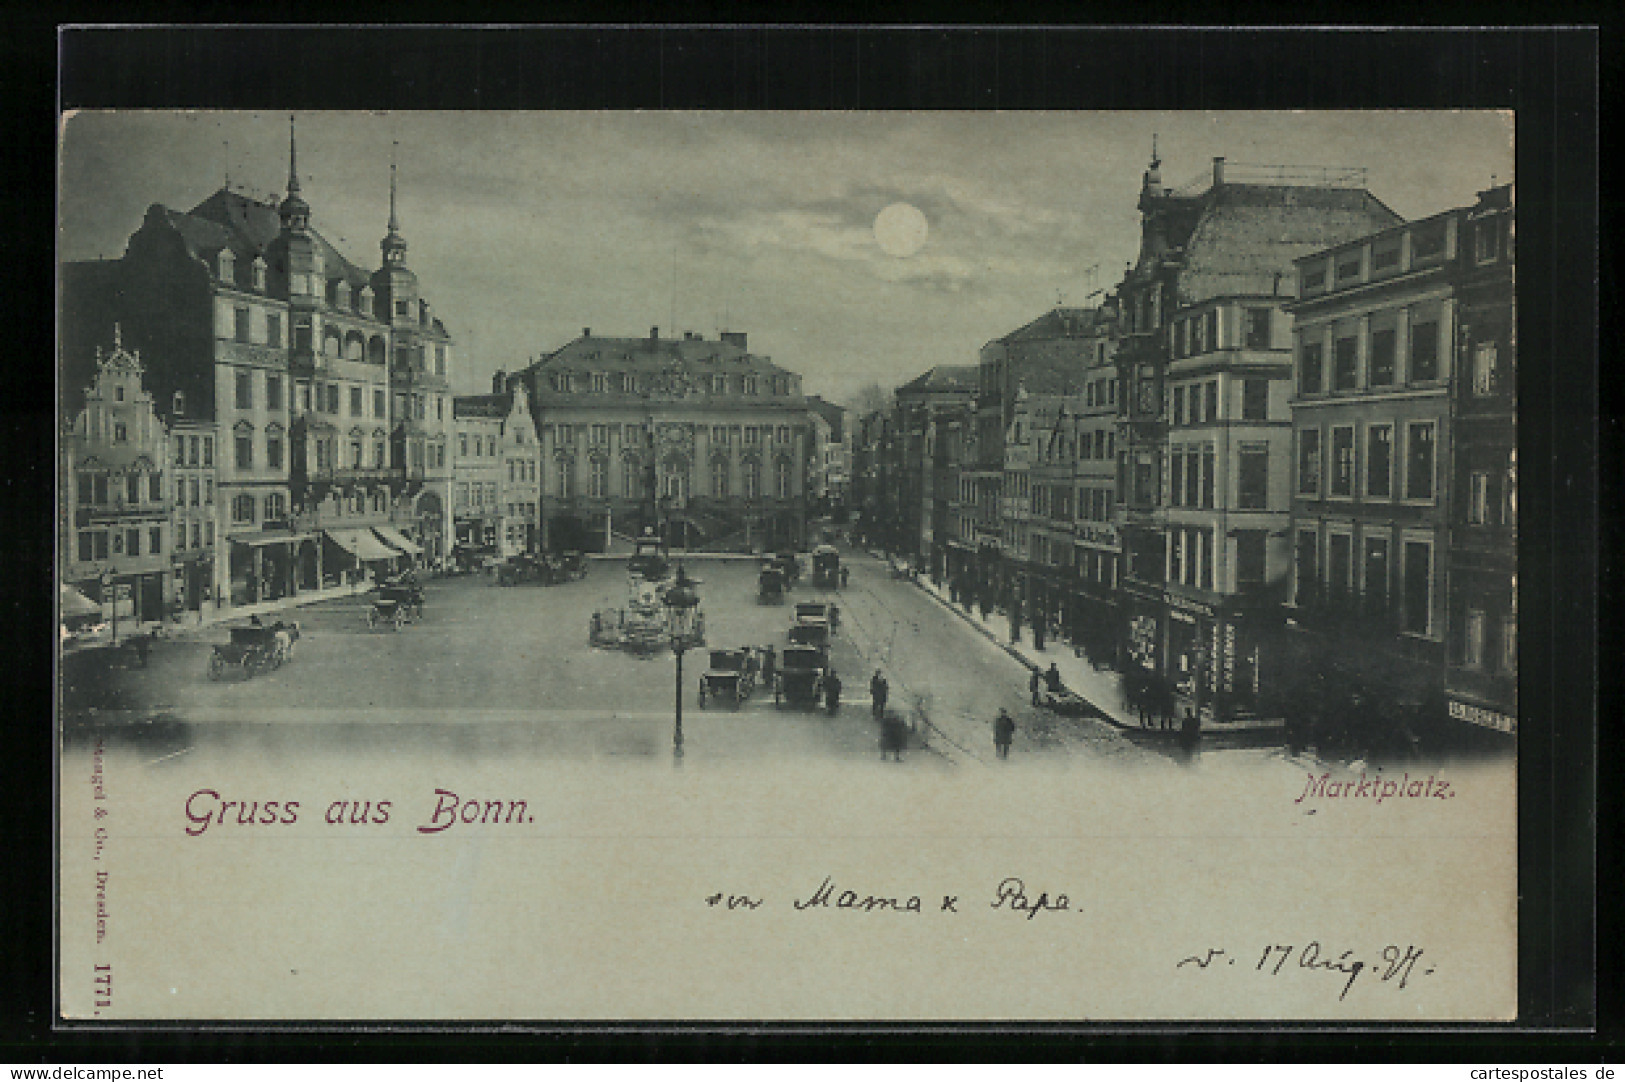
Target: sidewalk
x,y
1099,688
210,615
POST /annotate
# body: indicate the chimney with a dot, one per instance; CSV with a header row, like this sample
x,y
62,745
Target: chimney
x,y
499,382
586,332
1218,171
735,338
654,334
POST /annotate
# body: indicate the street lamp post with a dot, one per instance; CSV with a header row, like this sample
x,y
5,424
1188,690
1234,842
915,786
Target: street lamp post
x,y
682,603
110,586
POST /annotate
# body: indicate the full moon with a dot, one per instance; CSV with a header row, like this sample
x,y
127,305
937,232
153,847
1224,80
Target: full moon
x,y
901,229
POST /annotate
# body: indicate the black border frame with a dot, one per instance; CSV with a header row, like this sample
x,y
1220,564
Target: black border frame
x,y
1550,76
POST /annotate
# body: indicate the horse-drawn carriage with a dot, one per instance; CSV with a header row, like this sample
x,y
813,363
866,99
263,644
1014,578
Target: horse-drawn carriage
x,y
253,649
770,585
730,676
818,612
399,602
809,634
826,567
800,679
789,563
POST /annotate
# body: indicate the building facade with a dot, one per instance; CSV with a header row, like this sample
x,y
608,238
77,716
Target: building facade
x,y
1203,370
698,439
496,466
114,530
325,384
1481,674
1377,321
922,493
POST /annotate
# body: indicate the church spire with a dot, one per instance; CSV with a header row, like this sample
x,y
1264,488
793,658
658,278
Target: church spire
x,y
393,244
295,212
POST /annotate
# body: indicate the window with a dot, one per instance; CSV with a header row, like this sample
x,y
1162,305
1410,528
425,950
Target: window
x,y
245,450
1176,479
378,403
1207,478
1339,548
1306,567
462,444
240,324
1472,644
753,480
1385,256
1487,240
719,477
357,402
782,479
192,490
86,489
208,491
1252,477
1345,364
1179,406
1258,328
748,384
1250,552
197,536
132,542
753,435
1381,361
783,434
1418,587
1314,277
1427,242
439,360
1309,368
1424,351
562,479
1419,461
600,383
1212,412
191,450
1379,461
245,390
1376,575
1212,322
402,309
719,384
1309,462
132,488
1342,461
600,434
1483,501
273,392
155,487
242,508
1486,374
1348,267
1255,398
333,398
598,478
275,506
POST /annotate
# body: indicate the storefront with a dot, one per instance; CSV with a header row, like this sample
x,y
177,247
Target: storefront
x,y
357,554
263,566
392,537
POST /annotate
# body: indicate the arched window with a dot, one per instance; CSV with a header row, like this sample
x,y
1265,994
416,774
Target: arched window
x,y
781,479
753,479
228,266
598,479
719,478
355,346
331,345
259,273
377,352
563,476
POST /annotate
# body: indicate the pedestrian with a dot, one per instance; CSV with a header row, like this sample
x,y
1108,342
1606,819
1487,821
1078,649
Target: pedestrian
x,y
1004,731
832,693
1190,732
141,642
878,691
893,736
1034,682
769,664
844,574
1052,680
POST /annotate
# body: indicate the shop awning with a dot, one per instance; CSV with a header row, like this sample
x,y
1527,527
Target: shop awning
x,y
361,544
396,539
74,603
268,537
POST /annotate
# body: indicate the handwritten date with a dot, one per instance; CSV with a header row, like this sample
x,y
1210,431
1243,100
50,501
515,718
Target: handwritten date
x,y
1396,968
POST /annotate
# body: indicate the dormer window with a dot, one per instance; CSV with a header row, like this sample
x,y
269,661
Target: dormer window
x,y
259,273
367,308
179,403
228,265
341,295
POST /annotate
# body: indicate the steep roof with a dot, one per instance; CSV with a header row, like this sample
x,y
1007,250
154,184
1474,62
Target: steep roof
x,y
833,415
942,379
1060,322
1247,235
695,356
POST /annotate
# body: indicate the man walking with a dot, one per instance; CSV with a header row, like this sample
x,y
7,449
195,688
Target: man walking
x,y
1034,682
832,693
1004,731
878,691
